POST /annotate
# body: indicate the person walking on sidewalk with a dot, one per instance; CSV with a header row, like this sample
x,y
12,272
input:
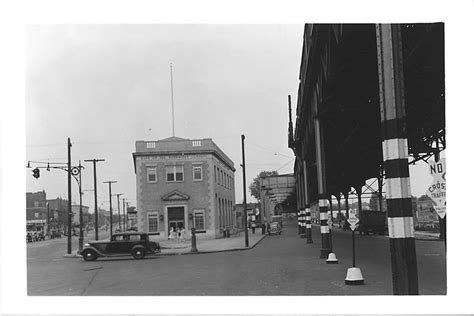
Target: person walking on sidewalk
x,y
182,235
253,227
172,235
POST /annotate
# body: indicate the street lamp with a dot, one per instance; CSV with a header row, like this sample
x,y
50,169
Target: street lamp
x,y
193,234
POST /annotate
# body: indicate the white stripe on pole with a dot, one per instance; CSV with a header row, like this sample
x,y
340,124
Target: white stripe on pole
x,y
323,216
398,188
323,202
324,229
395,148
308,225
401,227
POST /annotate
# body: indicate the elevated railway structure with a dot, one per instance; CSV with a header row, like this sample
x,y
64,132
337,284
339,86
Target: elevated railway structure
x,y
371,101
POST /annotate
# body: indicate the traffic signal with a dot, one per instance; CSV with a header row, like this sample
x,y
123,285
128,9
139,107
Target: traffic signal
x,y
36,173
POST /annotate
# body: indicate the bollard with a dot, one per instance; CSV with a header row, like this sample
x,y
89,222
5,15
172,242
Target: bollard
x,y
193,240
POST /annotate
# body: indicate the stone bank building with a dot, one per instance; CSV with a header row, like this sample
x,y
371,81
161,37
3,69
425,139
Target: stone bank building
x,y
183,183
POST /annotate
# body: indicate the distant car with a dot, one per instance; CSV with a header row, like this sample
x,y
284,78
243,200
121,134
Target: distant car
x,y
131,243
275,228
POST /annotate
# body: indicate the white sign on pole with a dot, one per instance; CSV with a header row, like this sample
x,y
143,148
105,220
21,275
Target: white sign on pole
x,y
352,220
330,222
437,190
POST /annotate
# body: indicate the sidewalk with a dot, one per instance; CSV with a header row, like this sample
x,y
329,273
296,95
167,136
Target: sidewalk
x,y
211,245
419,235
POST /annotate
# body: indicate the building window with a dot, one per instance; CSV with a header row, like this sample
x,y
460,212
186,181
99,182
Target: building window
x,y
151,175
197,173
150,145
153,222
199,217
222,178
174,173
196,143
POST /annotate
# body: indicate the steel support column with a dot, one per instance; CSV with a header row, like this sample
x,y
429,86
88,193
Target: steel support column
x,y
324,216
395,156
338,198
346,198
380,184
321,180
309,235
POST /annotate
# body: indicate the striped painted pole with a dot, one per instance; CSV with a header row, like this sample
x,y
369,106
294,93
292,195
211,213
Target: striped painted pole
x,y
395,156
303,223
299,222
309,234
307,213
324,216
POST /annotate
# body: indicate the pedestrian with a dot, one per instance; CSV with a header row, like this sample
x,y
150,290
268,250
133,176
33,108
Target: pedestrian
x,y
182,235
253,227
172,235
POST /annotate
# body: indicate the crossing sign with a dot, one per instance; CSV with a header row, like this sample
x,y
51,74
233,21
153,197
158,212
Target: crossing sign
x,y
352,220
437,190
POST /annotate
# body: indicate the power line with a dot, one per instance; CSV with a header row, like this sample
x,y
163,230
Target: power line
x,y
286,164
268,150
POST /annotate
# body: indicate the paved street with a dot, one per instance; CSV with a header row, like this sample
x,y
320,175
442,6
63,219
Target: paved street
x,y
278,265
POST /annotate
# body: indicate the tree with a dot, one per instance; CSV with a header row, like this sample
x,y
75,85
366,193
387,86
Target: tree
x,y
255,185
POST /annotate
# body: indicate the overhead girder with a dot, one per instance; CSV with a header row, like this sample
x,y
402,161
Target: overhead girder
x,y
339,76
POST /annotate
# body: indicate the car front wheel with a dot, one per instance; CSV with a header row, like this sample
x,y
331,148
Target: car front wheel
x,y
138,253
89,255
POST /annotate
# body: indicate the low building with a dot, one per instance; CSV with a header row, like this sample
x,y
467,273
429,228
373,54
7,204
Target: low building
x,y
425,216
184,183
76,215
36,211
58,209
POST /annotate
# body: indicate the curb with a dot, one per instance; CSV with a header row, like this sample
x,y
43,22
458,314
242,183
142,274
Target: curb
x,y
212,251
76,255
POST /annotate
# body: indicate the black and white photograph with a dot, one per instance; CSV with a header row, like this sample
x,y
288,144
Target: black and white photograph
x,y
278,164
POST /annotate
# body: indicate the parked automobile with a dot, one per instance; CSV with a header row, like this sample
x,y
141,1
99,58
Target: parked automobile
x,y
55,234
40,236
130,243
275,228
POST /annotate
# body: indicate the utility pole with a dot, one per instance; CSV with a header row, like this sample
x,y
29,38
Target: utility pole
x,y
110,200
95,197
118,206
69,196
124,213
172,98
81,219
245,194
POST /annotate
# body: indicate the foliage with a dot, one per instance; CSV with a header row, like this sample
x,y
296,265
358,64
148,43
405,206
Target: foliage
x,y
255,185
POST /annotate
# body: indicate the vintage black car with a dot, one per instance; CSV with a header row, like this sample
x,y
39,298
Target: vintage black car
x,y
130,243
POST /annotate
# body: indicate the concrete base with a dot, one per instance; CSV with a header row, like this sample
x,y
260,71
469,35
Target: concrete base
x,y
332,259
354,276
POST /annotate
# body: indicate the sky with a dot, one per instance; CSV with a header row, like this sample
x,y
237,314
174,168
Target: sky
x,y
107,86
